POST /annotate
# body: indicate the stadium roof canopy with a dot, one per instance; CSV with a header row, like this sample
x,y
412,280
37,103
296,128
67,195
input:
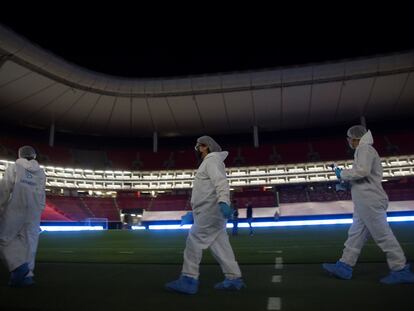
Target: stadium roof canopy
x,y
38,89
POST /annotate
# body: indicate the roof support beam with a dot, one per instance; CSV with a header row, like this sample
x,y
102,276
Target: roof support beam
x,y
363,121
52,135
3,59
256,136
155,142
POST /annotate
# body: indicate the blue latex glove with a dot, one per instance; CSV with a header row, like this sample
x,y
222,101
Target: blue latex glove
x,y
187,219
338,172
226,210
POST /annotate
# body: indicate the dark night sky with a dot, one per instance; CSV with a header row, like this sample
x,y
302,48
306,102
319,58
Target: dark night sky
x,y
122,50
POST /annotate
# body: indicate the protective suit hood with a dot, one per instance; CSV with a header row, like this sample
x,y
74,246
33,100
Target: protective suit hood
x,y
221,155
32,165
212,145
367,139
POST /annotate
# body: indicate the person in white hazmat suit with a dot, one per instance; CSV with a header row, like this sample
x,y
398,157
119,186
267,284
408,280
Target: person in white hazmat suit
x,y
370,218
22,200
210,203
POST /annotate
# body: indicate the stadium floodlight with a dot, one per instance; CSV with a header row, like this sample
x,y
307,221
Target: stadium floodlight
x,y
255,182
398,162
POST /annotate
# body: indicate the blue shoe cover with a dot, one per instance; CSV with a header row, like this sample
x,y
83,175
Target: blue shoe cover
x,y
339,269
184,285
27,282
18,275
228,284
399,277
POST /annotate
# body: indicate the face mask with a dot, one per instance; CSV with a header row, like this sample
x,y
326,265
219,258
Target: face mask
x,y
349,139
197,151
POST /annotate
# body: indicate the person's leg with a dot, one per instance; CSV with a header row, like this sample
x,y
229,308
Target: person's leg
x,y
33,232
188,283
358,235
234,230
223,253
192,257
14,254
376,220
384,237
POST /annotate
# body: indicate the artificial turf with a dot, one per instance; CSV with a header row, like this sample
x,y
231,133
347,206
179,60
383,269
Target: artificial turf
x,y
124,270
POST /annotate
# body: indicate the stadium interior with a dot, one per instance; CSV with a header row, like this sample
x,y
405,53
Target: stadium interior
x,y
118,153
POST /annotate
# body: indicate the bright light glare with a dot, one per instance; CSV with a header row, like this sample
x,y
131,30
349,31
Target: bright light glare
x,y
71,228
288,223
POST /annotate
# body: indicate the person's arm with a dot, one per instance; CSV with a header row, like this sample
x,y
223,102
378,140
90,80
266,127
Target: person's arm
x,y
362,164
6,185
217,174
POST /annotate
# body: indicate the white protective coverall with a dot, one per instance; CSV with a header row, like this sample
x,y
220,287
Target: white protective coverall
x,y
370,206
22,200
209,229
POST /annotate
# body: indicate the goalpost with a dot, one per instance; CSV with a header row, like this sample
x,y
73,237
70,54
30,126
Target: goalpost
x,y
94,222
